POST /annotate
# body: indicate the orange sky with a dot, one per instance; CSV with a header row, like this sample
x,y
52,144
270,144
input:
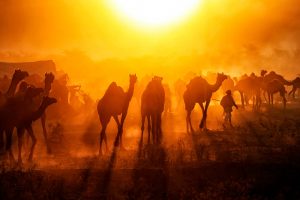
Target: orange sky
x,y
231,35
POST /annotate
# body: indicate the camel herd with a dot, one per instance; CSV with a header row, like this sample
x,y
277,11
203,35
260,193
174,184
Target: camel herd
x,y
19,108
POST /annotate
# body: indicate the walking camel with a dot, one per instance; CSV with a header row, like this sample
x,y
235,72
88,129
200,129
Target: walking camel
x,y
272,88
296,85
17,77
152,106
49,78
13,112
115,102
26,123
200,91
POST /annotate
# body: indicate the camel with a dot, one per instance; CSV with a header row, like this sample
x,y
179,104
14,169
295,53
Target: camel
x,y
49,78
26,123
269,77
115,102
273,87
17,77
152,106
250,87
12,113
296,85
274,76
199,91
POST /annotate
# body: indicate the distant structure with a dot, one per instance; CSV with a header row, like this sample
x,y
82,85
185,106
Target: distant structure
x,y
38,67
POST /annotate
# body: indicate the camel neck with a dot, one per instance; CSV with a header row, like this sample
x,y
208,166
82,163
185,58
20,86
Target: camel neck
x,y
216,86
12,88
47,89
39,112
129,93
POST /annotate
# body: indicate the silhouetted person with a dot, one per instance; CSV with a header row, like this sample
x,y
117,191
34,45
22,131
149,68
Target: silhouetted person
x,y
227,102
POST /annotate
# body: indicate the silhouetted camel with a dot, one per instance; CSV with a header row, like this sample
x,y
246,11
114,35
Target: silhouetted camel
x,y
152,106
199,91
49,78
13,112
274,76
269,77
273,87
296,85
26,123
247,89
17,77
114,102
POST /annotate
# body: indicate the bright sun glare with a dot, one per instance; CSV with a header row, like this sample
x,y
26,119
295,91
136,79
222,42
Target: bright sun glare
x,y
156,12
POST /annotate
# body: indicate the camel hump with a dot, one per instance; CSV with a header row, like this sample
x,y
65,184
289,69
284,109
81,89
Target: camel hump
x,y
195,82
114,91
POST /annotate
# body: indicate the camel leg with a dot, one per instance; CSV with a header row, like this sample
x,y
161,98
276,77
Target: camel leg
x,y
242,99
124,114
187,122
20,132
149,127
272,99
117,141
102,137
153,120
159,128
293,92
43,121
1,140
142,129
33,139
284,101
189,125
203,121
9,133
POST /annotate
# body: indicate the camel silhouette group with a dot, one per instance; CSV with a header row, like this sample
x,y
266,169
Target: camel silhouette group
x,y
267,83
20,109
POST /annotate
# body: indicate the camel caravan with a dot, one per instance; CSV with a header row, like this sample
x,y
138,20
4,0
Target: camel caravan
x,y
24,103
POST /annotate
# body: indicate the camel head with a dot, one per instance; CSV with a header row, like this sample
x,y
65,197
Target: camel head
x,y
49,78
263,72
157,78
19,75
252,75
132,78
47,101
221,77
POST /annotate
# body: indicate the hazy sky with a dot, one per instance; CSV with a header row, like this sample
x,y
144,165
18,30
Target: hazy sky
x,y
257,33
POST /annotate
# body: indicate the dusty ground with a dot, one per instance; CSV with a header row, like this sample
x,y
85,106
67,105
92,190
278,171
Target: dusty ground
x,y
258,159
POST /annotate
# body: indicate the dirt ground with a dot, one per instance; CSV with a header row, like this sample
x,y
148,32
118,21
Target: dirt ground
x,y
258,159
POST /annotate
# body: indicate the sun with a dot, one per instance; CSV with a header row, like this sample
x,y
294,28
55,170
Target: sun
x,y
155,12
